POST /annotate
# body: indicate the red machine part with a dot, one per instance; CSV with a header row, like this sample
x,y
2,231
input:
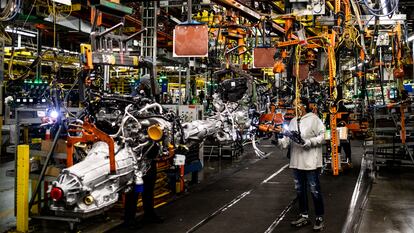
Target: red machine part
x,y
56,193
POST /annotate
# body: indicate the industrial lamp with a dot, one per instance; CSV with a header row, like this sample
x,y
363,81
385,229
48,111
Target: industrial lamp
x,y
65,2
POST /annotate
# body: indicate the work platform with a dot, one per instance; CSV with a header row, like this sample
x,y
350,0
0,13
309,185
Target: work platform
x,y
250,195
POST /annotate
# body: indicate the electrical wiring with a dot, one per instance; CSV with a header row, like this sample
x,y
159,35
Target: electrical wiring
x,y
350,37
32,66
10,10
30,12
361,28
65,98
337,106
321,4
373,11
54,25
382,7
4,35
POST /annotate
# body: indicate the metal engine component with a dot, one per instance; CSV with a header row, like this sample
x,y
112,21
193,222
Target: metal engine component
x,y
88,188
200,129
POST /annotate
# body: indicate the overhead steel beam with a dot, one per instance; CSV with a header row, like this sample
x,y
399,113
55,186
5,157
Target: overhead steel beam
x,y
248,12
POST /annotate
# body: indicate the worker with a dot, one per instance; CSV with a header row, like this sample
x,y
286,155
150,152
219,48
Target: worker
x,y
144,88
201,96
306,161
345,144
131,198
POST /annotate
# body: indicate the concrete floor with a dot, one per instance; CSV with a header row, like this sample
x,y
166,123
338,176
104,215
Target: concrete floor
x,y
390,206
7,218
257,195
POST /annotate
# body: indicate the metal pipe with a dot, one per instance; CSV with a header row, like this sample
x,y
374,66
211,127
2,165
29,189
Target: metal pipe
x,y
187,84
156,93
1,91
381,76
189,10
39,51
135,34
106,77
180,99
42,173
100,34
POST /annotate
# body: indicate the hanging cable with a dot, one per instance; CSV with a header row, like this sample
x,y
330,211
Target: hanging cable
x,y
10,10
373,11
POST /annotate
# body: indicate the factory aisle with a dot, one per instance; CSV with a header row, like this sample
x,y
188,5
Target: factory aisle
x,y
249,195
7,218
258,197
390,203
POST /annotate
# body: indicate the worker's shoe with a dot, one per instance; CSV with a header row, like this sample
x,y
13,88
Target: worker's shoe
x,y
302,220
319,224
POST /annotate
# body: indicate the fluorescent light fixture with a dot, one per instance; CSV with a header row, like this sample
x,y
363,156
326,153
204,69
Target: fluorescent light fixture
x,y
411,38
21,32
65,2
118,49
177,21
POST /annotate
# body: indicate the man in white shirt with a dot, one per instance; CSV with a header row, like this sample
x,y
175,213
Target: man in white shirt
x,y
306,161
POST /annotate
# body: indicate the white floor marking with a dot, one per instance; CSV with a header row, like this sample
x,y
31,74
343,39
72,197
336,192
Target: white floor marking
x,y
275,174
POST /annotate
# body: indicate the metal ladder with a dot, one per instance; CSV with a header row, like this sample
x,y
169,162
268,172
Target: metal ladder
x,y
149,38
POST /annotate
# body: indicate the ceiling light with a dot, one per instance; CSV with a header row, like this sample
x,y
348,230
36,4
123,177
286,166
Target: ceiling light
x,y
65,2
21,32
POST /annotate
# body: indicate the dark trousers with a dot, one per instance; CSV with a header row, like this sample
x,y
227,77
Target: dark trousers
x,y
303,179
346,145
131,198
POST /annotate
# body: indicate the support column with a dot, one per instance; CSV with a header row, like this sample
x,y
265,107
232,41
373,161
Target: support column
x,y
1,92
22,189
39,51
187,80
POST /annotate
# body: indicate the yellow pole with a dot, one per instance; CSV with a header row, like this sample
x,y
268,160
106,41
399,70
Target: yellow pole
x,y
22,189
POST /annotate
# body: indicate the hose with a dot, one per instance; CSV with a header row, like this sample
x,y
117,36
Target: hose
x,y
361,28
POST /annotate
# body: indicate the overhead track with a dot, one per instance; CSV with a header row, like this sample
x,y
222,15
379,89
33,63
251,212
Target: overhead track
x,y
249,13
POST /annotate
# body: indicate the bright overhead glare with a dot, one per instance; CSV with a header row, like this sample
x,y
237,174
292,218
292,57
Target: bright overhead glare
x,y
54,114
66,2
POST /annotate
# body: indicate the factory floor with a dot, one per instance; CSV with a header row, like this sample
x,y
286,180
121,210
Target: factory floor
x,y
253,195
257,195
7,219
390,204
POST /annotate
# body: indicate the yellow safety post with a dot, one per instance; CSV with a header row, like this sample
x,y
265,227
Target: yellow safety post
x,y
22,189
